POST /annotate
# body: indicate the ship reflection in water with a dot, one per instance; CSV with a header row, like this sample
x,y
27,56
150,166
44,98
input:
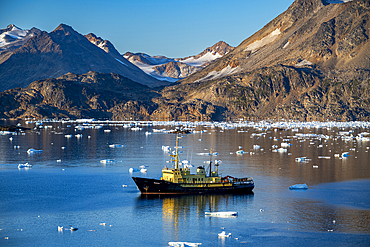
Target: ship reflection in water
x,y
188,211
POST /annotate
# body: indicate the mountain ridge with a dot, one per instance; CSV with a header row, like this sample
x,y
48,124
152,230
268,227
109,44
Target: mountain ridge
x,y
49,55
177,68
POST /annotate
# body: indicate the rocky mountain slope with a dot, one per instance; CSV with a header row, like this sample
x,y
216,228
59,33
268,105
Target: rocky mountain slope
x,y
309,63
50,55
172,69
91,95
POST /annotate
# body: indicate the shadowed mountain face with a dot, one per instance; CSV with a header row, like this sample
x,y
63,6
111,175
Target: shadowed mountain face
x,y
50,55
92,95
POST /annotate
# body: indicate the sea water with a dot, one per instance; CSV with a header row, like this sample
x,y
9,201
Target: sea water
x,y
81,180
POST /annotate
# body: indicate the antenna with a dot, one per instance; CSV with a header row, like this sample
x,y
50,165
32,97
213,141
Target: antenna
x,y
210,162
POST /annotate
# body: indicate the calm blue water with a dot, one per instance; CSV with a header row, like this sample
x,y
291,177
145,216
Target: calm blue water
x,y
71,187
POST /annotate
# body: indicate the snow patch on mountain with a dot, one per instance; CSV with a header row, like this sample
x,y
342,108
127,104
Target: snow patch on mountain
x,y
303,63
149,69
121,61
338,1
228,70
197,62
264,41
13,34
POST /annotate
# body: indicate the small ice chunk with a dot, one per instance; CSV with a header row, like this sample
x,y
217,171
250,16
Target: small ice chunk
x,y
32,151
256,146
298,187
133,170
224,235
300,159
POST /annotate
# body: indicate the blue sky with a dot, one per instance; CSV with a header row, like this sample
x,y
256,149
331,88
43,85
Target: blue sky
x,y
171,28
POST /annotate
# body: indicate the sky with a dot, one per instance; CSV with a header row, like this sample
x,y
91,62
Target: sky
x,y
171,28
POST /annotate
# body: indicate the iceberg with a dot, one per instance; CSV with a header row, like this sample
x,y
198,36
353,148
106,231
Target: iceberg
x,y
106,161
345,154
285,144
222,214
26,166
32,151
224,235
300,159
116,146
256,146
298,187
183,244
133,170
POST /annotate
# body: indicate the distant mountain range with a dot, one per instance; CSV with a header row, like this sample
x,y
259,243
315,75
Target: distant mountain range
x,y
40,55
172,69
312,62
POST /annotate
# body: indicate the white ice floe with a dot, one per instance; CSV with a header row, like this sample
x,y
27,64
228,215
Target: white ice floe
x,y
282,150
26,166
166,149
345,154
131,170
116,146
32,151
183,244
285,144
324,157
224,235
222,214
300,159
264,41
298,187
256,147
107,161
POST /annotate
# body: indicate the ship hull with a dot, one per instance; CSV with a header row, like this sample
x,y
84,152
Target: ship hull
x,y
156,186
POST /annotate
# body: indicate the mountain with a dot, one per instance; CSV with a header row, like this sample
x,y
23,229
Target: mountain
x,y
173,69
309,63
49,55
13,37
91,95
310,32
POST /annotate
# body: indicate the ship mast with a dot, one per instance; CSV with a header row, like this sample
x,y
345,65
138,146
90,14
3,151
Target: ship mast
x,y
210,162
176,154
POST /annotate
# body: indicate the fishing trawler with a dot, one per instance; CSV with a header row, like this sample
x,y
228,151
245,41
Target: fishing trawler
x,y
178,180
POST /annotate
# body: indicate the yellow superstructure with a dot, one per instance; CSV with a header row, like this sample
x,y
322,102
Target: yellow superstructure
x,y
183,176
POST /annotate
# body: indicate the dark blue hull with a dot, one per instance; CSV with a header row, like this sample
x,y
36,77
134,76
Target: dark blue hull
x,y
156,186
